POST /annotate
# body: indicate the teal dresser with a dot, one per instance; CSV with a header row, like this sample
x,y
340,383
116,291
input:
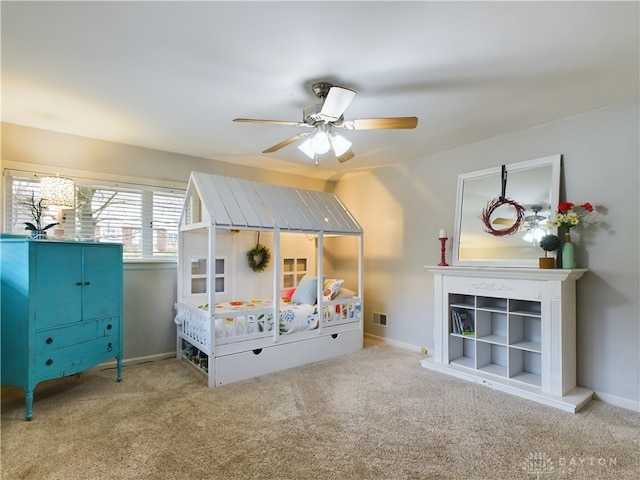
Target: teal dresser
x,y
61,305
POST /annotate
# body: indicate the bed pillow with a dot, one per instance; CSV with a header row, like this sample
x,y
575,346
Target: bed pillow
x,y
345,293
306,291
331,287
287,294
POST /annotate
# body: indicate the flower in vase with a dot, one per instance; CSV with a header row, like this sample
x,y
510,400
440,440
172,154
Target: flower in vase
x,y
569,215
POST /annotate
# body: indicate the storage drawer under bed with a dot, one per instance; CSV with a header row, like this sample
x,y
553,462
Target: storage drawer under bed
x,y
241,366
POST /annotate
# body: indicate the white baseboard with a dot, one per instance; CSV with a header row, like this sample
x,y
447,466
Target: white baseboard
x,y
393,343
618,401
136,361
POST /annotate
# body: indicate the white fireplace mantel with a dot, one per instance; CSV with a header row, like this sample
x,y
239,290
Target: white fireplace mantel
x,y
524,330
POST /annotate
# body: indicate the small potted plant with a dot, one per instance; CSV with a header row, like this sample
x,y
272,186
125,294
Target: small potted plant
x,y
37,229
548,243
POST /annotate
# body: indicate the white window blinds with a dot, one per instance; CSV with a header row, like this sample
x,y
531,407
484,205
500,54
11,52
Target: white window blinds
x,y
141,217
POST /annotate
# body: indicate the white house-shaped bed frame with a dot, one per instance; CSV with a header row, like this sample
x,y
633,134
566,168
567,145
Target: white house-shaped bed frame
x,y
215,205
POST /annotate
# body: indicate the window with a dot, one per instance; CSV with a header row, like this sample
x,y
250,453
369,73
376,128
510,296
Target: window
x,y
293,269
199,276
141,217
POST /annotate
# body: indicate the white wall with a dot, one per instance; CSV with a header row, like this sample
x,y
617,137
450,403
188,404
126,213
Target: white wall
x,y
401,209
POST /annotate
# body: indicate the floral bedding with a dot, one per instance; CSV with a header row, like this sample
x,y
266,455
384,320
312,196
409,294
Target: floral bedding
x,y
292,317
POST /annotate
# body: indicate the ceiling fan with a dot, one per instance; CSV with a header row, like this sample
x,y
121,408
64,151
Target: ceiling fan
x,y
534,225
530,221
322,118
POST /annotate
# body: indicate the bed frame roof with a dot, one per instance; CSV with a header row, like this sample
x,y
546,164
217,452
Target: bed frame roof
x,y
229,202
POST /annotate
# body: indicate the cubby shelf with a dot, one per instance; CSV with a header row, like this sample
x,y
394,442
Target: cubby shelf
x,y
507,335
523,338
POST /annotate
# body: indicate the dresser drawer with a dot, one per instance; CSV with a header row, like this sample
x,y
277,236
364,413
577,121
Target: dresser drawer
x,y
80,332
75,358
63,337
108,326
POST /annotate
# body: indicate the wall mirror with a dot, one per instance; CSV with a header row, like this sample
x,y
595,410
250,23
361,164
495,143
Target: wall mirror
x,y
533,185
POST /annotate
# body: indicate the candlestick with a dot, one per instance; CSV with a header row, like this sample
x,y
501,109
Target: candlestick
x,y
443,241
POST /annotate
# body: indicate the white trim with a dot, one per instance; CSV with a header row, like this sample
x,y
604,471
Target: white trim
x,y
135,361
147,264
627,403
392,343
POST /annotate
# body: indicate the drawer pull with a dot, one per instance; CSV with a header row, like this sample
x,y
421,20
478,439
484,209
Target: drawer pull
x,y
79,284
49,362
49,341
109,327
86,283
110,347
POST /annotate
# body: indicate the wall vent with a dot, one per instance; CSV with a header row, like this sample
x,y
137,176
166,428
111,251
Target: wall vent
x,y
380,319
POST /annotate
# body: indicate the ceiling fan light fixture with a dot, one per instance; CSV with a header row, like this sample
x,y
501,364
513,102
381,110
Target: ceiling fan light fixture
x,y
340,144
534,235
320,142
322,118
306,148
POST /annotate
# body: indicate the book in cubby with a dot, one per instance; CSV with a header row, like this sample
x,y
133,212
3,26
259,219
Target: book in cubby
x,y
462,322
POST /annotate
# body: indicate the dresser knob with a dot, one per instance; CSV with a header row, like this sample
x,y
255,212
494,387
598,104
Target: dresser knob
x,y
109,327
110,347
49,362
49,341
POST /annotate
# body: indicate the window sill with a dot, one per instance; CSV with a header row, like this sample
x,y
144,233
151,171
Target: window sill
x,y
150,264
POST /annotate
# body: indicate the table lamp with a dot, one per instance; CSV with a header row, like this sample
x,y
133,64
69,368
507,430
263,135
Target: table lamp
x,y
58,192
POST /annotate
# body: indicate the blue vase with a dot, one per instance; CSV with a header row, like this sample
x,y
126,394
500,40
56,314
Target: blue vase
x,y
568,258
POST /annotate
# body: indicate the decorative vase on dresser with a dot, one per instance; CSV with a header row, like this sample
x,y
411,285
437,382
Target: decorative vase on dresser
x,y
521,335
61,309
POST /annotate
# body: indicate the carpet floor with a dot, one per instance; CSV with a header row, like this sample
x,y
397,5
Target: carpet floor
x,y
373,414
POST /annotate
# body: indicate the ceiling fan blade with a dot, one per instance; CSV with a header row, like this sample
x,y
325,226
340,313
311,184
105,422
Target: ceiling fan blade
x,y
337,101
286,142
273,122
348,155
503,221
381,123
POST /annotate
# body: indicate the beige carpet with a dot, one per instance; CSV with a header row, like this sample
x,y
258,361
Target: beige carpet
x,y
375,414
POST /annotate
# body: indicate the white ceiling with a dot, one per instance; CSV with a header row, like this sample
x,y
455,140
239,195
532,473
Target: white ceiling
x,y
173,75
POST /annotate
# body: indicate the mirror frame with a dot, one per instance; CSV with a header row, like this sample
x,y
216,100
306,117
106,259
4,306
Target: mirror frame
x,y
554,161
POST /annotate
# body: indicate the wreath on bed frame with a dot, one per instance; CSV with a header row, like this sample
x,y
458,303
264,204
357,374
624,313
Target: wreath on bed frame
x,y
258,257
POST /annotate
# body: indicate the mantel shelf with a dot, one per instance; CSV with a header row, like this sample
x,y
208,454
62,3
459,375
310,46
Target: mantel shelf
x,y
542,274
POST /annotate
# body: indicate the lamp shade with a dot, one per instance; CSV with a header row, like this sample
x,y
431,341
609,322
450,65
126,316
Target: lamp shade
x,y
340,144
320,142
307,149
58,191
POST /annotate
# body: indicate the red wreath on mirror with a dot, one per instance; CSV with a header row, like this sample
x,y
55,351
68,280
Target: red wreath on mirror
x,y
499,202
492,206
